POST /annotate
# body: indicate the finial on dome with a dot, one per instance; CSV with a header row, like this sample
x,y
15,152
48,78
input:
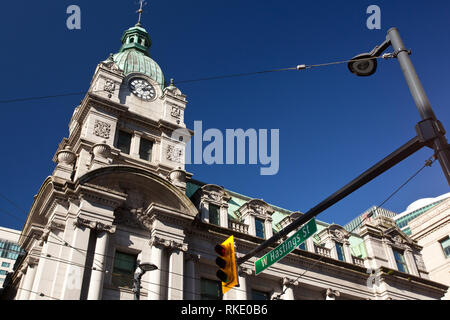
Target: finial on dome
x,y
141,4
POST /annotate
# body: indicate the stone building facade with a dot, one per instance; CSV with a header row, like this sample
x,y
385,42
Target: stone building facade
x,y
431,230
120,196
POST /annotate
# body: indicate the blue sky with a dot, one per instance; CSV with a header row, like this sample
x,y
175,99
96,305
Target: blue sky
x,y
333,125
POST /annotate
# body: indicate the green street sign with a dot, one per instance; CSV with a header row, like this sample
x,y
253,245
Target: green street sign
x,y
286,247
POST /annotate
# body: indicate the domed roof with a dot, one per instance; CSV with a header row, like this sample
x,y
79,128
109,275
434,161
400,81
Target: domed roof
x,y
134,57
419,204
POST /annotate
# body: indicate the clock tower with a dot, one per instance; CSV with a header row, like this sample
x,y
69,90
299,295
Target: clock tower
x,y
128,117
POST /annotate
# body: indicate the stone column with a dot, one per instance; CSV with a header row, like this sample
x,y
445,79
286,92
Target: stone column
x,y
46,269
135,143
190,291
331,294
73,278
288,288
99,267
176,264
411,262
242,291
29,279
154,286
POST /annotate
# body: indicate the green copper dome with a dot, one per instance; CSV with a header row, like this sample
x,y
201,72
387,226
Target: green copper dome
x,y
133,56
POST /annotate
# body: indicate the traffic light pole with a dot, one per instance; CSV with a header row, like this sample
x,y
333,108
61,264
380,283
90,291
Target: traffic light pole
x,y
430,132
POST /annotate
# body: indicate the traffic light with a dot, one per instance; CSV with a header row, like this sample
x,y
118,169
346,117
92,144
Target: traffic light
x,y
226,261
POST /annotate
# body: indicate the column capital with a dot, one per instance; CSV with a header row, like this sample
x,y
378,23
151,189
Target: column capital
x,y
288,282
94,225
243,271
159,242
332,294
178,246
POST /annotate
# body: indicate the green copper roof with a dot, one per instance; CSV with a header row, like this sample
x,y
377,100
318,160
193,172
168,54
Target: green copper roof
x,y
134,57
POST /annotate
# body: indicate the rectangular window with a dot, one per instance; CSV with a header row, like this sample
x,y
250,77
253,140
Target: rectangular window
x,y
259,226
124,141
5,264
340,251
214,214
124,268
145,149
445,244
259,295
3,272
210,289
400,261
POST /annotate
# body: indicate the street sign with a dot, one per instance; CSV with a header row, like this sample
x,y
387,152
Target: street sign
x,y
286,247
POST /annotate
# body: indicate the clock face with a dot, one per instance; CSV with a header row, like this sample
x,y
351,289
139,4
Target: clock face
x,y
142,89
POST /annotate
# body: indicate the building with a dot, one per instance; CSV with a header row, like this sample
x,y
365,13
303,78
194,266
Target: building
x,y
416,209
120,196
431,230
9,251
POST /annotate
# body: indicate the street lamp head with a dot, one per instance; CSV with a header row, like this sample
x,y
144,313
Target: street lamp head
x,y
363,65
147,267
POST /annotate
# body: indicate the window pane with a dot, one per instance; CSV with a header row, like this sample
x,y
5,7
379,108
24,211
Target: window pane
x,y
302,246
210,290
340,251
124,142
145,149
400,261
259,225
214,214
123,271
5,264
259,295
3,272
446,247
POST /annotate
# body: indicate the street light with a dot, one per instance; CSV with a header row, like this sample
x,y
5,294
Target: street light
x,y
140,271
430,133
430,130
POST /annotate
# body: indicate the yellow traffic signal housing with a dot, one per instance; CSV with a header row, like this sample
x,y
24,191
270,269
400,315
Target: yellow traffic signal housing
x,y
226,261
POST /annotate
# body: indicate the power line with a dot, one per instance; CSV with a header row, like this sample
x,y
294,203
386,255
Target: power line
x,y
235,75
428,163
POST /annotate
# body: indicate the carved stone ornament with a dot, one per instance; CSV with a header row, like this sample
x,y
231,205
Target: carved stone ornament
x,y
66,156
176,112
111,65
398,239
339,234
94,225
290,282
102,129
134,218
243,271
159,242
178,246
102,150
109,86
174,153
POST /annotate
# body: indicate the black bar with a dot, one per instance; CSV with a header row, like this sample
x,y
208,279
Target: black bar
x,y
391,160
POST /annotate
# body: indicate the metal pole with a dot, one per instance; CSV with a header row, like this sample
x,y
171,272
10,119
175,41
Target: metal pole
x,y
435,128
391,160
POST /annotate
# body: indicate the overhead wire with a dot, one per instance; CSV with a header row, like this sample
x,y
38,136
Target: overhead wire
x,y
428,163
235,75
